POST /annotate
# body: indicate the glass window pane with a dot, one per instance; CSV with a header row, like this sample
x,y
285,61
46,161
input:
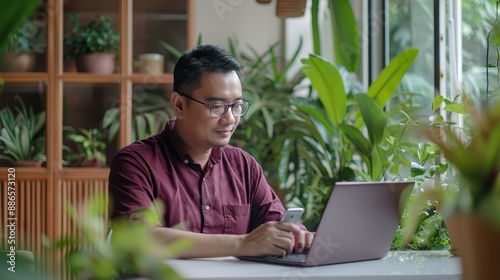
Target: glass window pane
x,y
80,43
475,49
26,50
84,112
25,102
157,21
151,109
411,25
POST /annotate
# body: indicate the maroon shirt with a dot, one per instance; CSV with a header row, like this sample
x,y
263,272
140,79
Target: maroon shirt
x,y
231,196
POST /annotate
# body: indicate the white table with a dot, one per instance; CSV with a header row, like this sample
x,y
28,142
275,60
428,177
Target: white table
x,y
408,265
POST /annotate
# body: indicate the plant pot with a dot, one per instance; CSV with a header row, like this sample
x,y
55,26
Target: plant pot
x,y
479,246
97,63
19,62
453,225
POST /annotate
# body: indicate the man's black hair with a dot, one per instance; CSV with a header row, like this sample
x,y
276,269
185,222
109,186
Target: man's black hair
x,y
202,59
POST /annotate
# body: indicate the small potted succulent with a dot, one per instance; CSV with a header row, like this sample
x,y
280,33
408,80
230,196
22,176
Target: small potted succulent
x,y
93,45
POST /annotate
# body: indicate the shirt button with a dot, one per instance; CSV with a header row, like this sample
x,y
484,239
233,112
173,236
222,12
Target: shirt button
x,y
207,207
186,161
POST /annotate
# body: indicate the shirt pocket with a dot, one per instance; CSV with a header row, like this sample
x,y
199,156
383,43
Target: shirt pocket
x,y
236,218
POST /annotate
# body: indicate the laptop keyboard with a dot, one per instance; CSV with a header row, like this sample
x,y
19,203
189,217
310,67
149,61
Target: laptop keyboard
x,y
291,257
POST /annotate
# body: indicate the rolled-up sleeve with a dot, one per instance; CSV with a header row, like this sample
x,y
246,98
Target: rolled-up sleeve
x,y
130,188
266,205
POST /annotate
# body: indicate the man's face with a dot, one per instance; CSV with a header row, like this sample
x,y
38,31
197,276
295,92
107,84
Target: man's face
x,y
204,129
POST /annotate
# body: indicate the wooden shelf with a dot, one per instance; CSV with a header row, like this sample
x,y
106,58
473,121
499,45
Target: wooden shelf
x,y
82,173
90,78
24,173
24,77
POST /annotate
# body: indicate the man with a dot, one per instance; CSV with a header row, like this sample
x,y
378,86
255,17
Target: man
x,y
216,191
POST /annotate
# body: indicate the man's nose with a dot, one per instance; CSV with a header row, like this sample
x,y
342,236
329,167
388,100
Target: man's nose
x,y
228,116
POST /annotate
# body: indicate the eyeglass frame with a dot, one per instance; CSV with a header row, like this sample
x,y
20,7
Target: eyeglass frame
x,y
210,106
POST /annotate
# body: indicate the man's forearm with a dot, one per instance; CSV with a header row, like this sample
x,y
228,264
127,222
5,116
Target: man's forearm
x,y
203,245
271,238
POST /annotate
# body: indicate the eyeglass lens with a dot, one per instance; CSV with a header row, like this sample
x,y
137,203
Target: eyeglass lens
x,y
238,109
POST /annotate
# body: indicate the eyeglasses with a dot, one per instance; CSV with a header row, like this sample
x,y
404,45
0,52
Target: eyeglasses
x,y
218,110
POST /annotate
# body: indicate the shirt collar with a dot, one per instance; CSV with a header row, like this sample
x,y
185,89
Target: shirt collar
x,y
176,146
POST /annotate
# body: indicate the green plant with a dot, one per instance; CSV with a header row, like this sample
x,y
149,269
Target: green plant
x,y
339,136
344,32
475,160
423,163
95,36
22,135
29,38
150,112
91,146
472,184
130,252
269,85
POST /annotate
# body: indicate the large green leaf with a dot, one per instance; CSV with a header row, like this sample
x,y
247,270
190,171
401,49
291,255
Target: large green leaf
x,y
357,139
390,77
377,163
373,116
345,34
316,112
327,81
140,125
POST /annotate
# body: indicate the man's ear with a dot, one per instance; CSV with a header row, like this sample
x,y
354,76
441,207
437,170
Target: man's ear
x,y
178,103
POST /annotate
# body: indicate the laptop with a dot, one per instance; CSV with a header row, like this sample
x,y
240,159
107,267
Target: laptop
x,y
358,223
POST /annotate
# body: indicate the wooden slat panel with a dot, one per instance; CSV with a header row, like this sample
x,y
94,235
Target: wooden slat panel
x,y
75,193
31,214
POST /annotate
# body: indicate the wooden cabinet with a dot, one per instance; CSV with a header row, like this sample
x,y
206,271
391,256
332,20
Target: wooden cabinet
x,y
80,100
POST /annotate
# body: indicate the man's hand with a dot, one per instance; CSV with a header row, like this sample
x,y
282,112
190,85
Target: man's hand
x,y
276,238
303,240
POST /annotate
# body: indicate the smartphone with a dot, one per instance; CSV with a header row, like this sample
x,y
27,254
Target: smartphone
x,y
292,215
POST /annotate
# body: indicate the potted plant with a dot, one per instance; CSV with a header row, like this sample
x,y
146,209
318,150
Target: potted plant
x,y
22,135
23,46
473,210
90,145
93,45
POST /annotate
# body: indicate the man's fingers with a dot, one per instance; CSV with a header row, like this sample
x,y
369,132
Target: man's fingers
x,y
309,237
299,242
286,226
285,240
284,246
